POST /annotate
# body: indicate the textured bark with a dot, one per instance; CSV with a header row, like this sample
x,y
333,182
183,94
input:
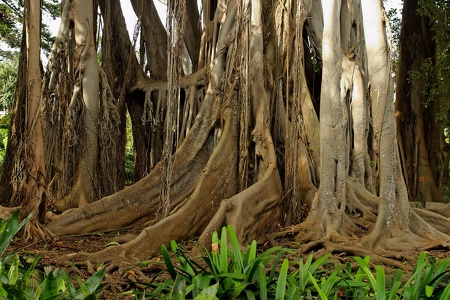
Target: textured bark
x,y
33,177
420,138
154,37
10,181
87,74
333,143
193,32
24,168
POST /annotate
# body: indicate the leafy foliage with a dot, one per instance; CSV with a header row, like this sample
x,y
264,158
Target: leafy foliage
x,y
21,281
10,18
232,273
8,77
435,72
395,25
129,153
11,23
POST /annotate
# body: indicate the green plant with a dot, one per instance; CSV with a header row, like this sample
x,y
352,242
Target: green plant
x,y
233,273
230,272
426,280
8,77
129,152
9,229
377,282
21,281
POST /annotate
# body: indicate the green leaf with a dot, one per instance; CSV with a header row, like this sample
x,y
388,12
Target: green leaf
x,y
93,282
223,252
112,244
319,291
281,282
329,283
364,265
209,293
396,283
179,289
49,286
250,295
168,262
380,283
429,291
309,267
12,226
262,281
236,275
161,288
446,294
70,286
29,272
209,260
200,283
83,293
250,254
13,273
236,247
274,267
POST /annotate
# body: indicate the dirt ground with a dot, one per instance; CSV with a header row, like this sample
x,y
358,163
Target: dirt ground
x,y
122,280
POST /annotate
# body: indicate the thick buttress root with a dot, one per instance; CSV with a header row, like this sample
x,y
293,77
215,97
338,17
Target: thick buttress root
x,y
141,201
195,209
426,231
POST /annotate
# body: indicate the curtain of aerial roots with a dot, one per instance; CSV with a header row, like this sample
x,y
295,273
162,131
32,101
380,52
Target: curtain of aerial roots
x,y
60,122
176,19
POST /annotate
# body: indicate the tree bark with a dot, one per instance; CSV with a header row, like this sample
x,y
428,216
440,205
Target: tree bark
x,y
420,138
33,176
86,74
333,162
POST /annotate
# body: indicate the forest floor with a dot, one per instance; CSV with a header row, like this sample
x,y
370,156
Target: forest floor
x,y
121,282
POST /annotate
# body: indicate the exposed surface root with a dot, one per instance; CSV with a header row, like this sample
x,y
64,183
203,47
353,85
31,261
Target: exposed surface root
x,y
426,231
6,212
141,200
193,213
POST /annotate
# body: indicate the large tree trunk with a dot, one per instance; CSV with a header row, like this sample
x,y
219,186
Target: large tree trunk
x,y
10,182
333,141
87,88
83,141
421,140
33,177
23,172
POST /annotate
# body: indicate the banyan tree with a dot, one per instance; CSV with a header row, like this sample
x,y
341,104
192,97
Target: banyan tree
x,y
275,117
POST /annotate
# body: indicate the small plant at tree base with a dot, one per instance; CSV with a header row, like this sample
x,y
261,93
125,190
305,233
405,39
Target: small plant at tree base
x,y
26,282
231,273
